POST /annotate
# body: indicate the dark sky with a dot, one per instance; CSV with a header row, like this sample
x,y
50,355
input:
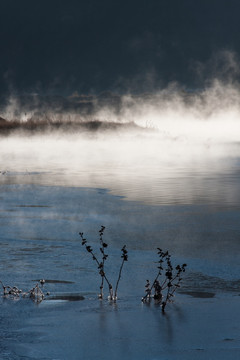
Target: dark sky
x,y
60,46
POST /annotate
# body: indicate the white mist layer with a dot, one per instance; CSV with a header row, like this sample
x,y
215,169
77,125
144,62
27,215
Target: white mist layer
x,y
210,115
181,156
150,169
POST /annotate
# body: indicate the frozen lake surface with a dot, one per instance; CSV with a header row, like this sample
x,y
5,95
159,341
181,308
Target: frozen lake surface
x,y
182,200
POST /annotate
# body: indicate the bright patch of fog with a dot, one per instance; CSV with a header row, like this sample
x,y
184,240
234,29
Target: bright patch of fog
x,y
181,150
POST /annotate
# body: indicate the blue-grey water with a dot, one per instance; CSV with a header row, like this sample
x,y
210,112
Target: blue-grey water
x,y
149,192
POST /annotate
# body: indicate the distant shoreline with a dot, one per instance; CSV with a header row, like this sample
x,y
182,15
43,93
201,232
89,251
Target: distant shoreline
x,y
41,126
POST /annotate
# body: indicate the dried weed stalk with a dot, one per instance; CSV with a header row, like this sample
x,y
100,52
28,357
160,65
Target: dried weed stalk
x,y
166,282
101,264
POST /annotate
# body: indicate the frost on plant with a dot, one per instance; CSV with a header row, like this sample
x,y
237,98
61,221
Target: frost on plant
x,y
35,293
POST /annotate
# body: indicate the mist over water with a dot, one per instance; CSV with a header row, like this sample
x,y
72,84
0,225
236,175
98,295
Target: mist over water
x,y
169,147
174,159
156,163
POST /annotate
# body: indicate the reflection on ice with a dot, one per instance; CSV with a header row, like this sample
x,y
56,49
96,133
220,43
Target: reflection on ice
x,y
147,168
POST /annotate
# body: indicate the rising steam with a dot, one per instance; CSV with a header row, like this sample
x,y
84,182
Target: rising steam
x,y
208,115
124,143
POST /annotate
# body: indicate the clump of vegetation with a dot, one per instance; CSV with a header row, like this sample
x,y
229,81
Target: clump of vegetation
x,y
166,282
35,293
101,264
161,289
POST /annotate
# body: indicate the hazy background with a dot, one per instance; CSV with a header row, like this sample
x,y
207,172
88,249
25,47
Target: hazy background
x,y
123,114
53,47
131,96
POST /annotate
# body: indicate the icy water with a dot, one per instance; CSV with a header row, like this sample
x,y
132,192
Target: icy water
x,y
149,192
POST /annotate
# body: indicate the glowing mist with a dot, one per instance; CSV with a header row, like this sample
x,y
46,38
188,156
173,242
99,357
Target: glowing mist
x,y
179,140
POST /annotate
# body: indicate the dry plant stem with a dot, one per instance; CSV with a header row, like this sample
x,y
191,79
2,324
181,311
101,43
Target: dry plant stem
x,y
103,275
124,258
119,277
149,290
156,279
5,288
168,282
167,298
100,265
104,257
101,289
8,290
35,293
162,255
